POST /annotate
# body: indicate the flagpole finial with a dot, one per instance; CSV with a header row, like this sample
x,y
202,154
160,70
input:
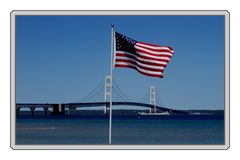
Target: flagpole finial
x,y
112,25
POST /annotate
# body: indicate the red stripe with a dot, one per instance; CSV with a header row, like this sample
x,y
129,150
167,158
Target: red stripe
x,y
156,50
147,74
136,64
147,63
158,55
144,57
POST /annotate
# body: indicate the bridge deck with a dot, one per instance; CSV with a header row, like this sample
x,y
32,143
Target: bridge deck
x,y
92,104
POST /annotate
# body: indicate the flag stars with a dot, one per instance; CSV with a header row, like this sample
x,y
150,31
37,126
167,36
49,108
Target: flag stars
x,y
124,43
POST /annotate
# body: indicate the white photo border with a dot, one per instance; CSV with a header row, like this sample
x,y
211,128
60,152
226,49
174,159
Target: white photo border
x,y
224,13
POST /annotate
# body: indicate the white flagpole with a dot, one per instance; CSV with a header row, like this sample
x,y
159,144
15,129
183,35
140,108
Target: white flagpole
x,y
110,114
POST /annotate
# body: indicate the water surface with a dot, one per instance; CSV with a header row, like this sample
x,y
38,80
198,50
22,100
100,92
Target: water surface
x,y
124,131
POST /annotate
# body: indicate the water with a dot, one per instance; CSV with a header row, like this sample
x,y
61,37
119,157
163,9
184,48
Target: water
x,y
124,131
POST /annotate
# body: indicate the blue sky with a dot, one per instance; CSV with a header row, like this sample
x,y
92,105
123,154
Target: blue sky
x,y
62,58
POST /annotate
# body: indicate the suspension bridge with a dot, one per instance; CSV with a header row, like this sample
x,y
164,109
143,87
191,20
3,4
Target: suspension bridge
x,y
154,104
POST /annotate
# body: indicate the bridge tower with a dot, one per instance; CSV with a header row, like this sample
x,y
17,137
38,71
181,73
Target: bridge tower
x,y
153,97
107,92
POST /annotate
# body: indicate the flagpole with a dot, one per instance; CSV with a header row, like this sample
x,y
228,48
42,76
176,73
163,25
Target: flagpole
x,y
110,114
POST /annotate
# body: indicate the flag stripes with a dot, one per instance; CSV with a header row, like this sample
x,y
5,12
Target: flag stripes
x,y
155,47
146,67
142,57
145,72
126,55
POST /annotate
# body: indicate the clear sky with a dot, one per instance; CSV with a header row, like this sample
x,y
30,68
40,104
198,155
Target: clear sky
x,y
62,58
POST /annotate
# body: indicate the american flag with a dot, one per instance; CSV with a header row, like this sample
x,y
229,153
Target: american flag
x,y
147,59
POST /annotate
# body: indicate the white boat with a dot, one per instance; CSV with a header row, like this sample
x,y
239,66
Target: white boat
x,y
153,114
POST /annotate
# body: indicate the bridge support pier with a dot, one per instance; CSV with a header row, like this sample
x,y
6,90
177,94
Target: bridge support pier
x,y
17,111
45,111
72,109
58,109
107,92
153,98
105,109
32,110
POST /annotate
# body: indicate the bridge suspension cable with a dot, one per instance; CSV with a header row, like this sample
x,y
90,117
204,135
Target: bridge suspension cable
x,y
159,100
119,92
117,89
144,98
92,93
122,97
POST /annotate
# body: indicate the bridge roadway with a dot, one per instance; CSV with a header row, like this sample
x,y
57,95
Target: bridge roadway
x,y
96,104
33,106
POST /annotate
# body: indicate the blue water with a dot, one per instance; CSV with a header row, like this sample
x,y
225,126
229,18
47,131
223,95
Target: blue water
x,y
124,131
